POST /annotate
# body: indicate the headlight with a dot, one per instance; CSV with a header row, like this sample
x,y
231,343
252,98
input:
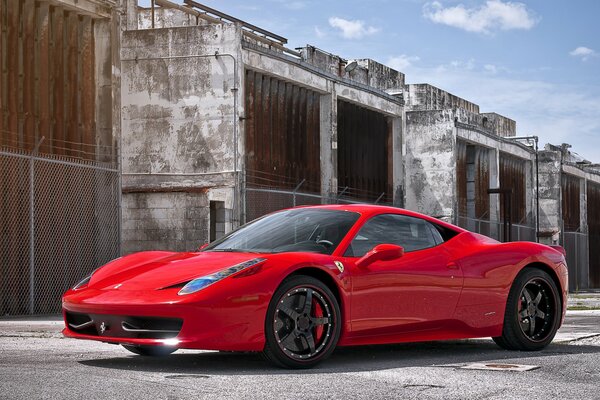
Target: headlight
x,y
83,282
205,281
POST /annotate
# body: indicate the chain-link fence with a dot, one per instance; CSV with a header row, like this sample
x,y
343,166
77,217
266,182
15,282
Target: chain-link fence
x,y
59,220
576,247
495,230
261,201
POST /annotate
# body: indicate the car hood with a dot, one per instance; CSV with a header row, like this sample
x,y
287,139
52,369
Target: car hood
x,y
158,270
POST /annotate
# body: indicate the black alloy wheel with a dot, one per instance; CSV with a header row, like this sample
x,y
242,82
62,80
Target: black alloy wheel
x,y
303,323
533,312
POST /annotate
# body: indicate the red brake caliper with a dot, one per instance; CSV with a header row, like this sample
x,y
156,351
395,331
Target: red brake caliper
x,y
318,313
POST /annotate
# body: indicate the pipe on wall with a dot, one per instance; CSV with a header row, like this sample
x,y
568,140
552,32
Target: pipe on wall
x,y
235,91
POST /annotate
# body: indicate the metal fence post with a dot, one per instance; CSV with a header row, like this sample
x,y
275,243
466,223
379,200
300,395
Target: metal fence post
x,y
32,226
295,190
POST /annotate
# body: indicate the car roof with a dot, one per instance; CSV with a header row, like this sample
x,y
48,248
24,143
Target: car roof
x,y
368,210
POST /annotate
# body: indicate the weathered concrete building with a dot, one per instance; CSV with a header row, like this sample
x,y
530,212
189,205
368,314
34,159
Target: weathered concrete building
x,y
126,129
214,110
223,123
570,204
455,154
470,168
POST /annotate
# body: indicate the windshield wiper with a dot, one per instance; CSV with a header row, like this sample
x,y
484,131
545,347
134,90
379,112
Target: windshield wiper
x,y
229,250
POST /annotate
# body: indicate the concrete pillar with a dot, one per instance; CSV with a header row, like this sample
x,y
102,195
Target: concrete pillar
x,y
584,255
494,161
329,144
530,192
103,72
583,217
131,13
397,162
550,196
470,171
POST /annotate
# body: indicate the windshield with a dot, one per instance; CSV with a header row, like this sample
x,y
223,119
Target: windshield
x,y
312,230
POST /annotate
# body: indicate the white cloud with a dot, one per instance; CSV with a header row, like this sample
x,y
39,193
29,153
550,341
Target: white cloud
x,y
352,29
489,17
401,62
583,52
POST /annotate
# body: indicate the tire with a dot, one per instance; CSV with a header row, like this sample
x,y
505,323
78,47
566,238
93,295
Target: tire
x,y
533,312
300,334
150,351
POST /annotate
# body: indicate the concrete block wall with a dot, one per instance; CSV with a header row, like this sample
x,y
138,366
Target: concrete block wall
x,y
164,221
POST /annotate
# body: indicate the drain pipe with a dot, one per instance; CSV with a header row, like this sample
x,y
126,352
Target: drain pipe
x,y
537,182
235,90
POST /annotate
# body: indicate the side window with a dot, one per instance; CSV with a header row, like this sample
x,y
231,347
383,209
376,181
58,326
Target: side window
x,y
409,232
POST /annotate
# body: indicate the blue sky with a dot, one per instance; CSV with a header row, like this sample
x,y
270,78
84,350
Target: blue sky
x,y
537,61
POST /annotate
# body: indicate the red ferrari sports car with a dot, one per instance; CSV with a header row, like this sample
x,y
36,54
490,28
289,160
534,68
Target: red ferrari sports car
x,y
299,282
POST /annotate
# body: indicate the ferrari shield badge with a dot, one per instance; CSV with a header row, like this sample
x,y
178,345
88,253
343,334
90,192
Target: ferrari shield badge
x,y
339,265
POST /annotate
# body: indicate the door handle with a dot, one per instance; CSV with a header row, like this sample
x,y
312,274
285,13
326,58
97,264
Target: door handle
x,y
452,265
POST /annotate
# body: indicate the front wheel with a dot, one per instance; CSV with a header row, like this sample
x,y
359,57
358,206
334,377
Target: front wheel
x,y
150,351
303,323
533,312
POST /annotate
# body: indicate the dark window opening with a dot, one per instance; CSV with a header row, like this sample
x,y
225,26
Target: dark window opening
x,y
217,220
364,153
570,203
512,177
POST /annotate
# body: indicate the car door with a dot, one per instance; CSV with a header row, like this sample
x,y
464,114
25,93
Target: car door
x,y
417,291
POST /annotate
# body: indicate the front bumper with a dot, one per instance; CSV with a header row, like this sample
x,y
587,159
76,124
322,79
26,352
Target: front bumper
x,y
136,318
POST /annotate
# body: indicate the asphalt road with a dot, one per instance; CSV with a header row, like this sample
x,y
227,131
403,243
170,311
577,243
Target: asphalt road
x,y
37,363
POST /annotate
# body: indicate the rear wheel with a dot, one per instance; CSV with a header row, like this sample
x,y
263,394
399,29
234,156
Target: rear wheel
x,y
303,323
150,351
533,312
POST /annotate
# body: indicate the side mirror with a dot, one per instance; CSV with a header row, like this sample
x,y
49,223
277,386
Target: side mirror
x,y
203,246
381,252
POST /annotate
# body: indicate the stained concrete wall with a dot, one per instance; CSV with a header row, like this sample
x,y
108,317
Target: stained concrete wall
x,y
165,18
428,97
550,196
499,124
367,72
178,132
430,163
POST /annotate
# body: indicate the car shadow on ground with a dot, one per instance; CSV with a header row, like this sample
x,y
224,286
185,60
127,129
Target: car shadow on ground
x,y
347,359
